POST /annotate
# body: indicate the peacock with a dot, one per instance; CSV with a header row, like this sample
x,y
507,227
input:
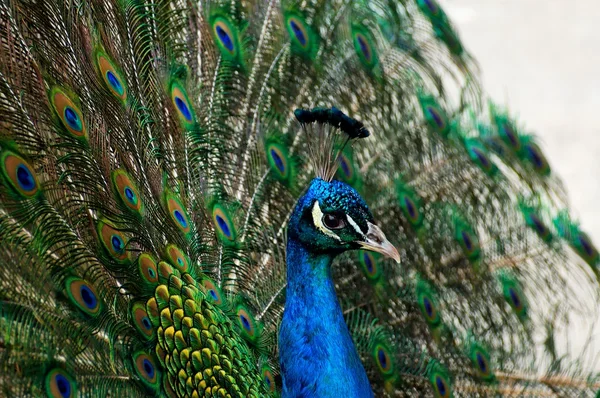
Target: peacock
x,y
263,198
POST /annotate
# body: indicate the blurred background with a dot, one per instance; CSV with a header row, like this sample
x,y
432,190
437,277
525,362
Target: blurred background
x,y
541,59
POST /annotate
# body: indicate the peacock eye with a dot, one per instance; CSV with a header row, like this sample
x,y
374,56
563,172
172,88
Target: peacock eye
x,y
333,221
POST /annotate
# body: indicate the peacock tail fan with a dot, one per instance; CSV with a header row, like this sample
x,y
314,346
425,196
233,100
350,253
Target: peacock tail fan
x,y
150,159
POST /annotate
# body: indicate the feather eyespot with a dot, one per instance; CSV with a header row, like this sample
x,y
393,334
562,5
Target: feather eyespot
x,y
435,118
83,295
441,387
429,310
126,190
69,114
428,304
584,246
223,224
428,307
268,378
212,291
112,78
509,135
302,37
146,370
536,157
279,161
245,322
177,257
298,30
227,37
142,321
72,119
440,381
20,175
183,108
248,325
369,262
365,49
480,360
430,6
514,298
345,166
513,295
113,241
178,214
468,241
60,384
383,359
410,208
479,155
481,363
148,268
182,105
364,46
346,171
536,223
224,36
369,265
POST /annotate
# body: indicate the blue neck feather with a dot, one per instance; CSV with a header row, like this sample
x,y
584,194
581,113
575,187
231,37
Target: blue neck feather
x,y
316,352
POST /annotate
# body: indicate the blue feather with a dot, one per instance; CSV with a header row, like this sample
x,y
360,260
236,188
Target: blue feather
x,y
316,355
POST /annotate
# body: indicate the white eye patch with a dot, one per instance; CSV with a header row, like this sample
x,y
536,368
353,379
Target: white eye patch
x,y
354,225
317,216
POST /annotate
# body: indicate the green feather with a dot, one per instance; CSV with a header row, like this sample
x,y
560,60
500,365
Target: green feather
x,y
150,161
227,36
303,38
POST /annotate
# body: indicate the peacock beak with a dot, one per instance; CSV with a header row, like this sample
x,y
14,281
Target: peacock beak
x,y
376,241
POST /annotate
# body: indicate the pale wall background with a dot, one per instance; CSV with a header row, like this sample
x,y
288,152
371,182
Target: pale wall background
x,y
542,59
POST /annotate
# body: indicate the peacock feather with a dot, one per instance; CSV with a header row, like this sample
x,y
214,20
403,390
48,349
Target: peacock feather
x,y
206,198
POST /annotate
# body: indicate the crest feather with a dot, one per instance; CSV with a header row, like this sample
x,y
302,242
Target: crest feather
x,y
330,130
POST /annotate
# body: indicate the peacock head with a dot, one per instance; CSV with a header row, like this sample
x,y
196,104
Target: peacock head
x,y
332,217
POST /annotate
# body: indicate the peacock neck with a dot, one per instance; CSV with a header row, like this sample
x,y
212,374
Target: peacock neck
x,y
317,355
